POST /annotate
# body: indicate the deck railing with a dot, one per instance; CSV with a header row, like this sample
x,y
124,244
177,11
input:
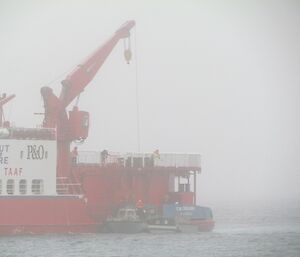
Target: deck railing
x,y
134,160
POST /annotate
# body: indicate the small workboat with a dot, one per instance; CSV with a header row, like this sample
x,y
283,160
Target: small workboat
x,y
190,218
182,218
162,224
126,221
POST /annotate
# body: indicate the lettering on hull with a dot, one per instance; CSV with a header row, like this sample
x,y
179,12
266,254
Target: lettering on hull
x,y
36,152
3,154
13,171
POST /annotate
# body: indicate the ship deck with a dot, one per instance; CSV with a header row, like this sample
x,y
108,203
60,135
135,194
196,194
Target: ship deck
x,y
186,161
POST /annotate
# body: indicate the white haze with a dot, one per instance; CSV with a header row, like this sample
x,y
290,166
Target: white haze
x,y
217,77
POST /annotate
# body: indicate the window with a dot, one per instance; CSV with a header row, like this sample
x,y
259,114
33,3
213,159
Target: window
x,y
23,187
37,186
0,186
10,187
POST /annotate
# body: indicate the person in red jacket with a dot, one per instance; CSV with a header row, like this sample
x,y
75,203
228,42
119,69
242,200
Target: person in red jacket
x,y
140,209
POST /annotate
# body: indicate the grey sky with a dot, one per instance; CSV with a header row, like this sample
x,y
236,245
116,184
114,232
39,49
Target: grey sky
x,y
216,77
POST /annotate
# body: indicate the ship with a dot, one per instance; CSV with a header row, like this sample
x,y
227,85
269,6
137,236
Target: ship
x,y
46,188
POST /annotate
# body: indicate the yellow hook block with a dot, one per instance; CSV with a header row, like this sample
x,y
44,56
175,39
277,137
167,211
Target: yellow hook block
x,y
127,55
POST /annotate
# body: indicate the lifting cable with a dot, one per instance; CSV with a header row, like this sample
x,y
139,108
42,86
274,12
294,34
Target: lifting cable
x,y
128,56
137,93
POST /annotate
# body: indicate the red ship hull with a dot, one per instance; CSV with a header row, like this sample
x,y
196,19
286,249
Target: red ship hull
x,y
38,215
103,191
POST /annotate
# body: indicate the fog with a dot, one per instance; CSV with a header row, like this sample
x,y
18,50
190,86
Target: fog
x,y
216,77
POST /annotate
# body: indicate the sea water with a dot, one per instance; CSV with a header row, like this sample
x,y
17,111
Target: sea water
x,y
247,229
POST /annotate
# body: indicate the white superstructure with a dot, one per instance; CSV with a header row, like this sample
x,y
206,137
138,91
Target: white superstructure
x,y
27,167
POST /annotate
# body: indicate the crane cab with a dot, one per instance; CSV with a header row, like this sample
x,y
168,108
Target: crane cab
x,y
78,124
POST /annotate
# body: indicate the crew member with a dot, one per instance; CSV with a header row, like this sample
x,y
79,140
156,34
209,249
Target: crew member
x,y
74,155
139,204
140,209
156,154
104,155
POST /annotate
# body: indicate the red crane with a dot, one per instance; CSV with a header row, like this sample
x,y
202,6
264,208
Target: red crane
x,y
74,126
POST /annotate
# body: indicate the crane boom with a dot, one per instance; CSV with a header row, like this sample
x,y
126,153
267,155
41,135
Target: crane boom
x,y
75,124
78,79
83,74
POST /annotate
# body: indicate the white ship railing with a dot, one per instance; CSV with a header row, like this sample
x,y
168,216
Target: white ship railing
x,y
141,159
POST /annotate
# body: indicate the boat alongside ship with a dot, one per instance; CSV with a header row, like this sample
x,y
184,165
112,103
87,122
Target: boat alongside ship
x,y
126,221
190,218
45,189
163,225
173,218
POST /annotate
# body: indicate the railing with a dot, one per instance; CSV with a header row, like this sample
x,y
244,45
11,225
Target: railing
x,y
134,160
28,133
178,160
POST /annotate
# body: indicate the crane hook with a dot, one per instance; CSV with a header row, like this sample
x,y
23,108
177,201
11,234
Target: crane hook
x,y
127,51
127,55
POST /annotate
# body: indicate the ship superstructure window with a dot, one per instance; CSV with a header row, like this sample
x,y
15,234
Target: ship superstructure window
x,y
10,187
23,187
37,186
